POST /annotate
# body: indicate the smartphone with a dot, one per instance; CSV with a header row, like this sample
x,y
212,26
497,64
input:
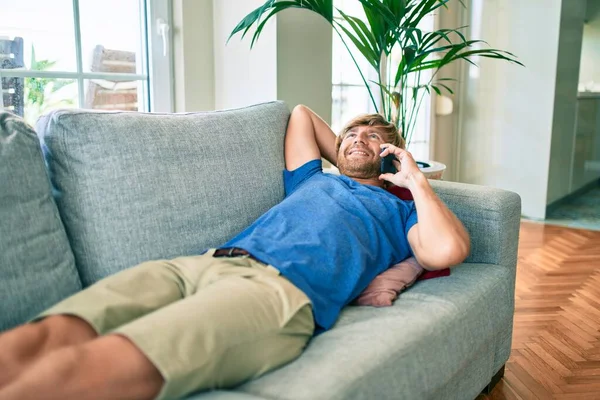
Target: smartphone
x,y
387,165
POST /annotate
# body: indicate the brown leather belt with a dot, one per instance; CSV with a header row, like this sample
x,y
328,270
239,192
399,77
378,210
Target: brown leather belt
x,y
231,252
237,252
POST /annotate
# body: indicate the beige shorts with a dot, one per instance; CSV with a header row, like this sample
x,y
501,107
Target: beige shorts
x,y
204,322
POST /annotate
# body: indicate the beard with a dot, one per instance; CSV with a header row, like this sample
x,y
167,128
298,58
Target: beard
x,y
358,168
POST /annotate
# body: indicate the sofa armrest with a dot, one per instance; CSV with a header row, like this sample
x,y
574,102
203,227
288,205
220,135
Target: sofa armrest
x,y
491,216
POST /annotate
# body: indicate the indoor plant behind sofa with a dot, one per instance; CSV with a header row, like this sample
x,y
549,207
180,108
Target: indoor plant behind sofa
x,y
387,38
131,187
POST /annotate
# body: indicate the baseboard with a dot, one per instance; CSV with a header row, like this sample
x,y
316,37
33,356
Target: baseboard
x,y
557,203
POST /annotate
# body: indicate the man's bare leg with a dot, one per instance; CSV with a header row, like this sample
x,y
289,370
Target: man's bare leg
x,y
24,345
109,367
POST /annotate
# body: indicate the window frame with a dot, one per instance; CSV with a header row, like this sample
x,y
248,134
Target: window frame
x,y
157,93
159,58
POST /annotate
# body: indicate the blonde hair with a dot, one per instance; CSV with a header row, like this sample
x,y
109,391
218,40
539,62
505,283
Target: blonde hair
x,y
375,120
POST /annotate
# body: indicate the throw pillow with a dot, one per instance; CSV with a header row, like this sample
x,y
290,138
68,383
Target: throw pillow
x,y
384,289
37,268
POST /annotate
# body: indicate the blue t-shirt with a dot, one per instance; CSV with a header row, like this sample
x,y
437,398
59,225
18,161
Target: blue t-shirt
x,y
331,236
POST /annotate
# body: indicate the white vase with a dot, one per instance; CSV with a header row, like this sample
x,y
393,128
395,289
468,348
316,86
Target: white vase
x,y
432,169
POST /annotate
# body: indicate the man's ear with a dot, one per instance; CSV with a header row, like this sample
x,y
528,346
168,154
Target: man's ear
x,y
338,143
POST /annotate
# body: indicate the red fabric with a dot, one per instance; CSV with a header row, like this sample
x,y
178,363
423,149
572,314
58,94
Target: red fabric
x,y
434,274
400,192
405,194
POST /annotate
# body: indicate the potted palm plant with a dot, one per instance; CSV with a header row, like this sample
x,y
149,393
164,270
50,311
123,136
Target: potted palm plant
x,y
390,27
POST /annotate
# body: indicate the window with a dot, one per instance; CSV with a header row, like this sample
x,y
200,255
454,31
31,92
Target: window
x,y
97,54
350,97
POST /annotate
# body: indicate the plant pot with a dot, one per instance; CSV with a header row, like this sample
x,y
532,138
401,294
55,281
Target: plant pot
x,y
432,169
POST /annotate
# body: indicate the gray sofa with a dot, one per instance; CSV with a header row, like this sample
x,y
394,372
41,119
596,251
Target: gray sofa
x,y
112,189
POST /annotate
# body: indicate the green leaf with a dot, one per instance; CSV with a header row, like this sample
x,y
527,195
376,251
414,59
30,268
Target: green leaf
x,y
368,34
423,8
358,68
487,53
365,36
407,63
425,65
383,87
409,54
450,54
440,34
410,36
279,6
397,7
493,53
312,3
250,19
400,71
324,8
446,87
437,90
377,24
433,39
366,51
382,21
438,50
459,33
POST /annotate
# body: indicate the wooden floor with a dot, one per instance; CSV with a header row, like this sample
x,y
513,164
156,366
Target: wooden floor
x,y
556,339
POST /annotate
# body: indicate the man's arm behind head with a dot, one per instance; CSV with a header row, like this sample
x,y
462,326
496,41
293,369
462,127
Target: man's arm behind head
x,y
307,138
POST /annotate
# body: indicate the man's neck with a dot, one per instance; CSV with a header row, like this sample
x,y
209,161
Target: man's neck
x,y
369,181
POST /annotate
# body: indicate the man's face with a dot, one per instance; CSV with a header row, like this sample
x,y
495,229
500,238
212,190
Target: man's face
x,y
358,156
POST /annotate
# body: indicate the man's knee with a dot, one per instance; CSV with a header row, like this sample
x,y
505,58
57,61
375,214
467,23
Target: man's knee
x,y
26,338
66,329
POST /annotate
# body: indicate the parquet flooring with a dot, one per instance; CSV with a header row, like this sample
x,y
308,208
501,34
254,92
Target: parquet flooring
x,y
556,338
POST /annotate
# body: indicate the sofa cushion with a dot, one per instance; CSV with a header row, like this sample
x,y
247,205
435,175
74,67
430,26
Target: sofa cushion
x,y
222,395
410,350
138,186
36,263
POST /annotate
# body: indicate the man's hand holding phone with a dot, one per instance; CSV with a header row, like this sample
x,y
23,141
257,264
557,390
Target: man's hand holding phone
x,y
408,173
387,164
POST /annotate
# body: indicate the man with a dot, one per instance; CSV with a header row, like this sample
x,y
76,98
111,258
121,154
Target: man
x,y
168,328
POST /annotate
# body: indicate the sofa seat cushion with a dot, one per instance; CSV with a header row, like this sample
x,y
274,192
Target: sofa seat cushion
x,y
408,351
37,267
133,187
222,395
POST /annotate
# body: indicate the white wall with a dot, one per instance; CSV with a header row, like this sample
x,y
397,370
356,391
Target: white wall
x,y
304,61
565,102
590,54
243,76
506,111
291,61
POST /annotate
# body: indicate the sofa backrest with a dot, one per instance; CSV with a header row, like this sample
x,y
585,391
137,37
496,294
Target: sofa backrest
x,y
132,187
37,267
